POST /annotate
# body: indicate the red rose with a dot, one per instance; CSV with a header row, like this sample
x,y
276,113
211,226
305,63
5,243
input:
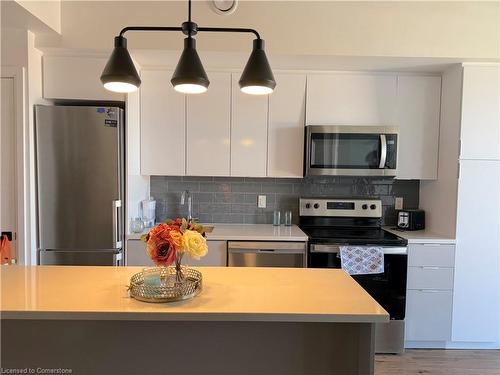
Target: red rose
x,y
161,246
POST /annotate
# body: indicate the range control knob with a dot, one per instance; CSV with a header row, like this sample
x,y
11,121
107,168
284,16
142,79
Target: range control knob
x,y
364,207
316,205
308,205
373,206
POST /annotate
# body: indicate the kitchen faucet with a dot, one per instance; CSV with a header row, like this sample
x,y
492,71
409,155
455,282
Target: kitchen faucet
x,y
187,195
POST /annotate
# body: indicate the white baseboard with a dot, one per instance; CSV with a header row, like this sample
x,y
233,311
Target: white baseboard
x,y
451,345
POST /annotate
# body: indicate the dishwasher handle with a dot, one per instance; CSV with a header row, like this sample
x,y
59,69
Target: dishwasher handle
x,y
265,251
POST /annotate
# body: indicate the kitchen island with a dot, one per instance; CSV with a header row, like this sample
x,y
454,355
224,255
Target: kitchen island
x,y
245,321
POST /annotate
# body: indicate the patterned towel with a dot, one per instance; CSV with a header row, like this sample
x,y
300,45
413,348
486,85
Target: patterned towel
x,y
362,260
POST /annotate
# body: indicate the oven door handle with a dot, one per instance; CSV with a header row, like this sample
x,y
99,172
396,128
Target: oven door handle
x,y
335,249
383,151
329,249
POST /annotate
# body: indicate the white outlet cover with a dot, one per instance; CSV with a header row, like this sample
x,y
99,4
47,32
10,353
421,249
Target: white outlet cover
x,y
261,201
398,203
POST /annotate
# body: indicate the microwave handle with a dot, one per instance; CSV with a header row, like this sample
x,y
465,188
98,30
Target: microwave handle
x,y
383,151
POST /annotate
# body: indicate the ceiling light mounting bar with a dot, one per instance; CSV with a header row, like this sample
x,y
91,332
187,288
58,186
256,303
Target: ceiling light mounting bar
x,y
190,28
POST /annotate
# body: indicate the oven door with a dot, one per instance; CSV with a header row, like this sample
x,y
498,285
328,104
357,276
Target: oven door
x,y
388,288
351,150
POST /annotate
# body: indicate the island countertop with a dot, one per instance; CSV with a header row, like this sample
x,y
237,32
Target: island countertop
x,y
229,294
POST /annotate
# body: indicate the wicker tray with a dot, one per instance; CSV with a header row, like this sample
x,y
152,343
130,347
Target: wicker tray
x,y
162,285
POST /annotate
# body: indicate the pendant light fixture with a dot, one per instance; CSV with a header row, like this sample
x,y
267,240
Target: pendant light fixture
x,y
189,76
119,74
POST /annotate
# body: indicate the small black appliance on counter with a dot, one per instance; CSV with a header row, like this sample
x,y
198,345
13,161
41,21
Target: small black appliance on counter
x,y
411,219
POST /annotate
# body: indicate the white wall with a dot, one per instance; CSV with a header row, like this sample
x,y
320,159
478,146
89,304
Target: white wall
x,y
430,29
137,185
49,12
18,50
34,97
439,197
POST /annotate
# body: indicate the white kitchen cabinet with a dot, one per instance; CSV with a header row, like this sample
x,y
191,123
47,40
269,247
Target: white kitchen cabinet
x,y
136,254
287,107
476,298
163,125
430,277
429,295
248,132
209,128
417,116
351,99
216,256
433,255
428,314
75,77
480,133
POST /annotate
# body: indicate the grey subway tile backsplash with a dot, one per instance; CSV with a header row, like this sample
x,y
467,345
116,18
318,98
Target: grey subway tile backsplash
x,y
234,199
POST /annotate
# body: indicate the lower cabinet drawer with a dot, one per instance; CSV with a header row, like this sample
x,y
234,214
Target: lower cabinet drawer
x,y
431,255
428,315
426,277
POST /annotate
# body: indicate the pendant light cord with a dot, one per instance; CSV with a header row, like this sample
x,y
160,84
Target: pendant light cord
x,y
189,10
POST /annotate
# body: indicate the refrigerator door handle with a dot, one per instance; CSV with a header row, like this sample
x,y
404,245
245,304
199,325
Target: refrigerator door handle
x,y
117,243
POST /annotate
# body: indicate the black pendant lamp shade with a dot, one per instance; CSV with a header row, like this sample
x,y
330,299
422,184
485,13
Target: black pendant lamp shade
x,y
119,74
190,76
257,77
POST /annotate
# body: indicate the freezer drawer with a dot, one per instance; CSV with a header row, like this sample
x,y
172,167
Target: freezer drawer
x,y
266,254
80,258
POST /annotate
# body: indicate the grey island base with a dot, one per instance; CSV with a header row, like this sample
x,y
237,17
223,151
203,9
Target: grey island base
x,y
245,321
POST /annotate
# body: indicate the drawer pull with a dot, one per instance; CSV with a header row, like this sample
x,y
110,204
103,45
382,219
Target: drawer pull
x,y
430,267
429,290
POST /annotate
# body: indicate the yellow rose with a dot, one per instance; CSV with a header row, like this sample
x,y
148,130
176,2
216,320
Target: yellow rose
x,y
176,238
194,244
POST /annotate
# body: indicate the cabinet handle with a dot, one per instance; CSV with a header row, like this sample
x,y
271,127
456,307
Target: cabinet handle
x,y
430,268
429,290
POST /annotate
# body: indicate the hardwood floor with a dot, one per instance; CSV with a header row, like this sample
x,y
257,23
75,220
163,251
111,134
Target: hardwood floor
x,y
440,362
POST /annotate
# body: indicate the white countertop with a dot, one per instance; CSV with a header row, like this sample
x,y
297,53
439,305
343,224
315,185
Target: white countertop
x,y
249,232
229,294
421,236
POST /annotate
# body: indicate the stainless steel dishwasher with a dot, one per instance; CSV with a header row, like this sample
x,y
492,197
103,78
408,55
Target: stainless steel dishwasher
x,y
266,254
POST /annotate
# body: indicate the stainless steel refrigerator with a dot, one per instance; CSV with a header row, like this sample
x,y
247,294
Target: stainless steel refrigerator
x,y
80,184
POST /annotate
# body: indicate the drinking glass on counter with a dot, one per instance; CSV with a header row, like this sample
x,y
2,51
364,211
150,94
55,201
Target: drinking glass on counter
x,y
277,218
288,218
137,225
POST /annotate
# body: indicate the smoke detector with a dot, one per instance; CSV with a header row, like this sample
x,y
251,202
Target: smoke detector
x,y
224,7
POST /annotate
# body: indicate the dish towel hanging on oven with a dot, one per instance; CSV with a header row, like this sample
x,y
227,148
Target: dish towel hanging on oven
x,y
362,260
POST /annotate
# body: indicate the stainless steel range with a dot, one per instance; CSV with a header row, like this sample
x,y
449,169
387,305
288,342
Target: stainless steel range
x,y
331,223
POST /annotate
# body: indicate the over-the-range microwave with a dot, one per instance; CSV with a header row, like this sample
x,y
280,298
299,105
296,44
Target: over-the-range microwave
x,y
351,150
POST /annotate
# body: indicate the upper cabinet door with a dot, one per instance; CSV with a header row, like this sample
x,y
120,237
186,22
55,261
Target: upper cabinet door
x,y
480,134
163,125
286,126
418,110
209,128
248,132
351,99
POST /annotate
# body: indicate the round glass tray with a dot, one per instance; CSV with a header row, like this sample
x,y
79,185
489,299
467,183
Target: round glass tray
x,y
162,284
